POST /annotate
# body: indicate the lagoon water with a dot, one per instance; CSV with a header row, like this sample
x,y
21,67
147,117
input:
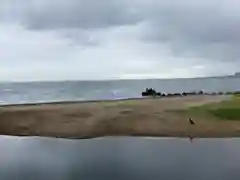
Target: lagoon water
x,y
125,158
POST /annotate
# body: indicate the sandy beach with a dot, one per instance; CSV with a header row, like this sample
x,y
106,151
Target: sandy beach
x,y
136,117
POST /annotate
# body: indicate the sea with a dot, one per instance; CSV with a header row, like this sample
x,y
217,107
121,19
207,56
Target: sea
x,y
40,92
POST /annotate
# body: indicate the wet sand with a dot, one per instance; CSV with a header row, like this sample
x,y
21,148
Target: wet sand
x,y
136,117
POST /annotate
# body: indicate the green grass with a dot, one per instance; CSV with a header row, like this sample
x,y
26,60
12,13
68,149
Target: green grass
x,y
226,113
236,96
225,110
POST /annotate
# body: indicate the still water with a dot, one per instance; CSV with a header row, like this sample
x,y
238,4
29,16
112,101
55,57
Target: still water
x,y
117,158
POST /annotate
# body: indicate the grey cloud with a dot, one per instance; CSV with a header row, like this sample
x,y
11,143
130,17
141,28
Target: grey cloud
x,y
83,14
79,37
206,30
77,20
191,30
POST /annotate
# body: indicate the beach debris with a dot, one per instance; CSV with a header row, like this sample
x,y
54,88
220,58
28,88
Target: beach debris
x,y
191,121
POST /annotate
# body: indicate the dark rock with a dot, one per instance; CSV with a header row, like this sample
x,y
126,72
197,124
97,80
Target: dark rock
x,y
191,93
177,94
163,94
184,94
149,92
170,95
159,94
200,92
145,94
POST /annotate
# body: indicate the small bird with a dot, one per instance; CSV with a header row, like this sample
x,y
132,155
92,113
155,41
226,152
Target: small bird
x,y
191,121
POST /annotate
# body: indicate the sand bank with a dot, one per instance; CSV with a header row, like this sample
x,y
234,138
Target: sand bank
x,y
139,117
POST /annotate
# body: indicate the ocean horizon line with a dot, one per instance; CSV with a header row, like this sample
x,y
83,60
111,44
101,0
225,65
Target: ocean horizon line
x,y
117,79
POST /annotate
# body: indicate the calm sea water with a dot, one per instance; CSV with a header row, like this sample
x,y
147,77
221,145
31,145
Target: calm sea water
x,y
119,158
12,93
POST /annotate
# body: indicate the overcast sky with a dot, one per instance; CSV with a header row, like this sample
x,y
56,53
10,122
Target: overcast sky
x,y
108,39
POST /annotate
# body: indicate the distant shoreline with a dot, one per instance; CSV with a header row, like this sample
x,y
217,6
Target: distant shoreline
x,y
107,80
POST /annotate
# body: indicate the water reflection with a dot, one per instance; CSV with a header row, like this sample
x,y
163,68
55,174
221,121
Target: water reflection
x,y
119,158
